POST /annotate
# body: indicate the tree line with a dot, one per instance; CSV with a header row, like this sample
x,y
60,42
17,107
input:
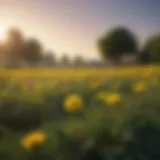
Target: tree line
x,y
113,46
17,49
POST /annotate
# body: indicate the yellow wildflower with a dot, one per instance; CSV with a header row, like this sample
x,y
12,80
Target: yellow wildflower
x,y
139,87
33,139
73,103
113,99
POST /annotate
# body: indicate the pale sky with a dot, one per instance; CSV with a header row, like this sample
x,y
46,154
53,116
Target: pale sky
x,y
73,26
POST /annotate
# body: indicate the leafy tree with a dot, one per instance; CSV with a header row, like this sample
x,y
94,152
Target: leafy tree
x,y
65,59
78,60
33,51
151,51
143,58
14,45
49,58
2,56
116,43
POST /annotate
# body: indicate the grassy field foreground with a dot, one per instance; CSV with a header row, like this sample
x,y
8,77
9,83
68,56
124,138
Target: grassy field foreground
x,y
75,114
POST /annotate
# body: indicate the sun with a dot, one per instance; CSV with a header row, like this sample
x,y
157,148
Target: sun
x,y
2,33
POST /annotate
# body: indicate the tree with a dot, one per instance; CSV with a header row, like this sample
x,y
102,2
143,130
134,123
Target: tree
x,y
33,51
65,59
151,51
2,55
143,58
78,60
14,45
117,43
49,58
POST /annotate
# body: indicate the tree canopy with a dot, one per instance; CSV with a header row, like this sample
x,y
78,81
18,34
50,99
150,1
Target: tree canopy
x,y
33,51
14,45
17,48
151,50
116,43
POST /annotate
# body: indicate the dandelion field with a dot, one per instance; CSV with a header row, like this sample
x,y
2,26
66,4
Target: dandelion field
x,y
75,114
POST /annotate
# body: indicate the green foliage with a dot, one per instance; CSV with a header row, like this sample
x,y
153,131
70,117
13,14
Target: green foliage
x,y
32,51
116,43
151,51
21,111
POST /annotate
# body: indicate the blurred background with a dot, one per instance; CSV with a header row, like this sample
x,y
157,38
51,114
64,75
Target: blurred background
x,y
79,33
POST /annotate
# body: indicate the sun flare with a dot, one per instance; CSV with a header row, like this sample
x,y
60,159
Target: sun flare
x,y
2,33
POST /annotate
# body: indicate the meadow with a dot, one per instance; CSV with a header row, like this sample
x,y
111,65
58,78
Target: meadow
x,y
78,114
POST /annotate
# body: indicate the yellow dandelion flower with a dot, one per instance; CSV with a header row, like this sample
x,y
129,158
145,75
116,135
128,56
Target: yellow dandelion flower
x,y
113,99
73,103
139,87
33,139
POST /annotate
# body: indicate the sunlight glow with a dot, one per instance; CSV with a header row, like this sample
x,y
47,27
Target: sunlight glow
x,y
2,33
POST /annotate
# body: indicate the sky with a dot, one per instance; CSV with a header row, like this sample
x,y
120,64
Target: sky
x,y
74,26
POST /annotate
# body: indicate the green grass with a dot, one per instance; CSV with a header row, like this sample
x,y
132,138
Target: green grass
x,y
128,130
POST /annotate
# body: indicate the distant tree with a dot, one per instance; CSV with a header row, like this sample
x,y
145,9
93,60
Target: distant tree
x,y
151,51
1,53
143,57
78,60
14,45
33,51
116,43
49,58
65,59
